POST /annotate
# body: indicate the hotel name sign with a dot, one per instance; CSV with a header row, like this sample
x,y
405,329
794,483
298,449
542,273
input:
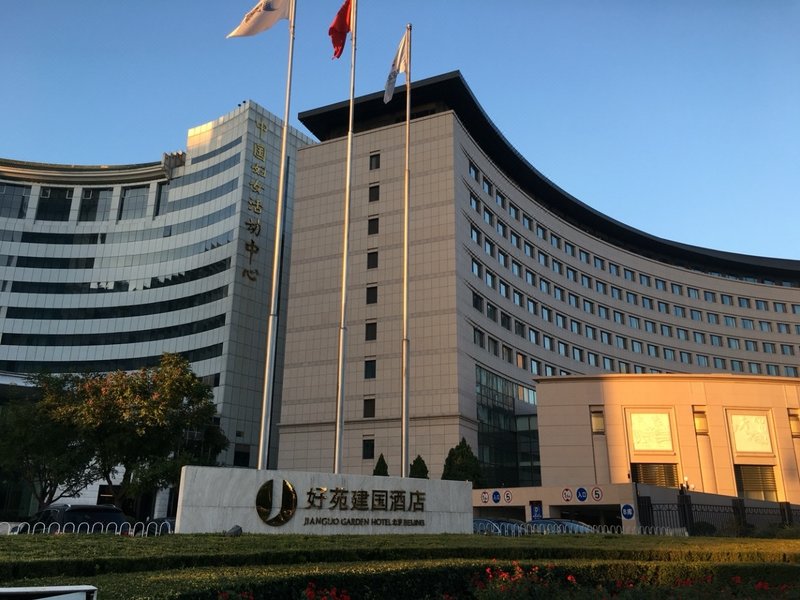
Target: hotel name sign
x,y
341,507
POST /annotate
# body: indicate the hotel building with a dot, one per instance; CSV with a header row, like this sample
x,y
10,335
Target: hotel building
x,y
511,279
109,267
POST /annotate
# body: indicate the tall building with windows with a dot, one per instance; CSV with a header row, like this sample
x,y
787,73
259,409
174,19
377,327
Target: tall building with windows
x,y
511,279
108,267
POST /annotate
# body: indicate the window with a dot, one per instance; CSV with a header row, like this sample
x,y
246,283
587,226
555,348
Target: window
x,y
513,237
660,474
502,229
502,258
133,203
505,321
600,287
751,345
95,205
569,248
629,275
754,368
744,302
647,303
500,200
636,346
590,332
616,293
583,255
762,305
663,307
373,226
666,330
487,186
476,268
592,359
522,361
700,422
375,161
599,263
368,449
765,326
699,338
374,193
650,326
370,331
685,358
473,171
696,315
369,408
716,340
661,285
733,343
633,322
474,202
602,311
712,318
769,347
608,364
682,333
372,259
693,293
644,280
652,350
702,360
54,204
756,482
679,311
719,363
370,368
676,289
737,366
597,419
488,217
621,342
372,294
730,321
669,354
513,211
787,349
613,269
490,279
631,298
794,421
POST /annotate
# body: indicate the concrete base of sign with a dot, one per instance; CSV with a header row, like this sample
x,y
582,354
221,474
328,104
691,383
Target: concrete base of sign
x,y
216,499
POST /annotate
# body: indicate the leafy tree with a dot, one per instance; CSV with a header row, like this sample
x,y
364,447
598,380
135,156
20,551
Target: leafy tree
x,y
462,465
381,468
52,457
150,422
418,470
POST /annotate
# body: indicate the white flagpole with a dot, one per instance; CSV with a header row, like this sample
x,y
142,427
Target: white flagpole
x,y
337,454
406,191
272,326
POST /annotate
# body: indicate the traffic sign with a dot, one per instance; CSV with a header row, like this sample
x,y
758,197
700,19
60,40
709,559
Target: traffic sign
x,y
485,497
597,494
496,497
581,494
627,511
507,496
566,495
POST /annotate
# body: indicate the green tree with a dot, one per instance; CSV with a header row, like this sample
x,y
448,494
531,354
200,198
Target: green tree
x,y
462,465
52,457
381,468
418,470
150,422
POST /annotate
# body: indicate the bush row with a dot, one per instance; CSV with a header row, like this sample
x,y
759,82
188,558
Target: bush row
x,y
455,578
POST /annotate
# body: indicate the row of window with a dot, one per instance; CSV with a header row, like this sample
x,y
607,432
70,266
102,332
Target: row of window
x,y
594,359
501,202
55,203
601,287
125,285
113,338
590,332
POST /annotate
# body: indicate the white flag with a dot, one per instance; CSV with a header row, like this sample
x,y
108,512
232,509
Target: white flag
x,y
263,16
399,65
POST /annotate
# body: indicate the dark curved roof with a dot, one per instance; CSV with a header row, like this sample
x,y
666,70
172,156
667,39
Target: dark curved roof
x,y
450,92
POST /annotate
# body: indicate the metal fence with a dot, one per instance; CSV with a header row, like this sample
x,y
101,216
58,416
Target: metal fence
x,y
733,517
137,528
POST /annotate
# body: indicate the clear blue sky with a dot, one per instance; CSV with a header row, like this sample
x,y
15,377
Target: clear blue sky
x,y
680,118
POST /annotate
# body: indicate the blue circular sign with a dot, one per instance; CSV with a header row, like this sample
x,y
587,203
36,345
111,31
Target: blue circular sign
x,y
581,494
627,511
495,496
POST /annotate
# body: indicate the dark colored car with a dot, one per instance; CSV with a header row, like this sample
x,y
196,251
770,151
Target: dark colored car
x,y
76,518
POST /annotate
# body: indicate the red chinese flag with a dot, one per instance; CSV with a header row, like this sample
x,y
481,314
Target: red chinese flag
x,y
340,28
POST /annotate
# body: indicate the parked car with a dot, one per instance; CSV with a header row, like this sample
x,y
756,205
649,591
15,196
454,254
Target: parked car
x,y
548,526
76,518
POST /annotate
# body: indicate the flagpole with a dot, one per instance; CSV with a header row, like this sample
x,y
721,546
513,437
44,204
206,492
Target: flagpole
x,y
406,191
337,454
272,326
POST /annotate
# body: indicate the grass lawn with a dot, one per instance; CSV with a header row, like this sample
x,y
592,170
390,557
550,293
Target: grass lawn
x,y
433,566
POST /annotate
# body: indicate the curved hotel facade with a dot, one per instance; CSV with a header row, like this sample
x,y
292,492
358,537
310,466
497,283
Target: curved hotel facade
x,y
108,267
510,280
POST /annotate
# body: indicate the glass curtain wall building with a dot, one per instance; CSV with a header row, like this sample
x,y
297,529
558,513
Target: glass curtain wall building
x,y
511,279
108,267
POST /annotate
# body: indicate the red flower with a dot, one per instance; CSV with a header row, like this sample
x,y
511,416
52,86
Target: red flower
x,y
736,580
571,579
762,585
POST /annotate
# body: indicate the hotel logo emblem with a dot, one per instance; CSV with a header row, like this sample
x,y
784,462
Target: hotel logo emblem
x,y
288,504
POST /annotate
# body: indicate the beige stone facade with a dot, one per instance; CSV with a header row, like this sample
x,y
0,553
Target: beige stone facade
x,y
716,434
